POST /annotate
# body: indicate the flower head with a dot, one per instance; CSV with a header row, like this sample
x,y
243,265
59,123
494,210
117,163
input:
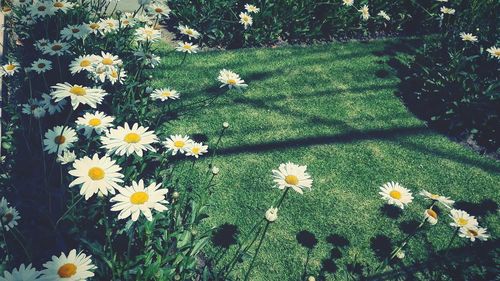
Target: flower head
x,y
136,199
447,11
73,267
186,30
127,140
50,105
177,143
165,94
78,94
446,201
231,79
251,8
271,214
462,219
96,175
474,233
494,52
9,69
292,175
365,12
431,216
187,47
384,15
196,149
147,33
94,122
59,139
395,194
347,2
246,20
66,157
23,273
41,66
468,37
9,216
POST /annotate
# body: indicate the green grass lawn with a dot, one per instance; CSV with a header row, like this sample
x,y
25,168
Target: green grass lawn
x,y
324,107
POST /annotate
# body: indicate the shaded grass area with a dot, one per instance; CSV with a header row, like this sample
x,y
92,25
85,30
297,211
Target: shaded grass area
x,y
334,109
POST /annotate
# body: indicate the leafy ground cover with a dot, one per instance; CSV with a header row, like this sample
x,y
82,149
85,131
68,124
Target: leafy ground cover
x,y
333,108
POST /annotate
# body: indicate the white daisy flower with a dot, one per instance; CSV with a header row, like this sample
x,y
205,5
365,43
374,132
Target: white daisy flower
x,y
20,3
186,30
438,198
196,149
61,6
365,12
468,37
10,217
94,122
271,214
447,11
463,219
108,61
177,143
29,107
246,20
186,47
78,94
10,68
59,139
84,62
24,273
94,27
147,34
395,194
135,199
50,105
165,94
494,52
39,112
96,175
41,66
384,15
41,44
74,267
474,233
347,2
108,25
251,8
74,32
431,216
56,48
116,76
126,140
40,9
292,175
231,79
127,19
159,10
66,157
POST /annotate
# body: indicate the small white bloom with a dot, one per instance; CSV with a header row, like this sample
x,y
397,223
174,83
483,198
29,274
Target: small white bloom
x,y
395,194
74,267
147,34
231,79
431,216
41,66
251,8
59,139
463,219
448,11
292,175
24,273
186,30
271,214
186,47
127,140
94,122
365,12
347,2
468,37
474,233
196,149
50,105
66,157
246,20
177,143
165,94
384,15
78,94
494,52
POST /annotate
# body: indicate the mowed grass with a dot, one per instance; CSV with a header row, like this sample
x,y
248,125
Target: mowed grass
x,y
324,107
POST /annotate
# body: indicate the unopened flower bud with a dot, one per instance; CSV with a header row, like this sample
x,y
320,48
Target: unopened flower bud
x,y
272,214
311,278
225,125
400,254
175,195
215,171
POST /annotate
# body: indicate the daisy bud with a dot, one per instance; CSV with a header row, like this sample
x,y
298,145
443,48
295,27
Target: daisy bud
x,y
177,277
175,195
311,278
431,216
215,171
400,254
225,125
143,2
272,214
148,90
194,232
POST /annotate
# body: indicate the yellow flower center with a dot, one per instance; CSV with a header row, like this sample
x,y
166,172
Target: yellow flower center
x,y
189,31
195,150
114,74
187,47
41,65
497,53
231,81
75,30
462,221
246,18
139,198
292,180
60,139
56,47
166,94
395,194
85,63
6,9
159,10
94,26
107,61
179,143
96,173
67,270
41,8
78,91
434,196
94,122
132,138
58,4
10,67
432,213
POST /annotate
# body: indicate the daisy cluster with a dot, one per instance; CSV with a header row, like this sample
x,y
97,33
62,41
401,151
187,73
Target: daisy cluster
x,y
467,225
